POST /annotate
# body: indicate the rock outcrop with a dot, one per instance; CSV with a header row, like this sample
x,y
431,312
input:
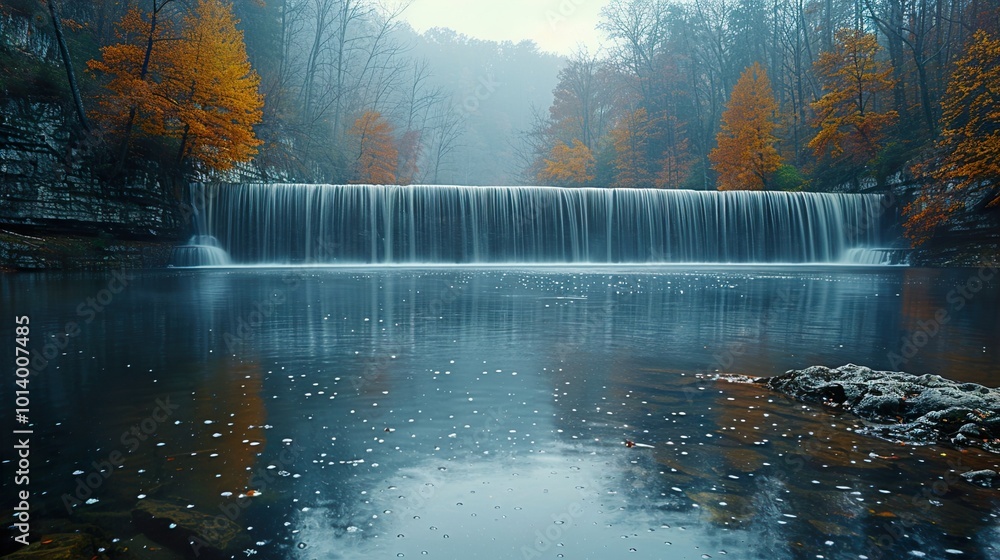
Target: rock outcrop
x,y
55,195
901,406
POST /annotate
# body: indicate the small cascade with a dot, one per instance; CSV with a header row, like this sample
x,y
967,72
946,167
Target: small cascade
x,y
278,224
202,249
879,256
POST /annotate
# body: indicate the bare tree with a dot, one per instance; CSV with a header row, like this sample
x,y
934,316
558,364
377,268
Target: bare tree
x,y
448,129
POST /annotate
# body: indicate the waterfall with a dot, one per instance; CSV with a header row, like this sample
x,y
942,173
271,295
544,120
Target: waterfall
x,y
358,224
202,249
877,256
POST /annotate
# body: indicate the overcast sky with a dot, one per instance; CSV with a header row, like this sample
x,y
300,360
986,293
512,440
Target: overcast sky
x,y
555,25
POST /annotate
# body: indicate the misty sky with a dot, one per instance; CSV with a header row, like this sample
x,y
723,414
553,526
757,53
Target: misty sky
x,y
555,25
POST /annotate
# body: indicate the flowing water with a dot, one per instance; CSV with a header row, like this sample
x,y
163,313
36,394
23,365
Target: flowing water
x,y
338,224
481,412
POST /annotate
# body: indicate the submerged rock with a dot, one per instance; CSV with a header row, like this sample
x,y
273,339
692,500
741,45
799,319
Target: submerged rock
x,y
184,529
983,478
902,406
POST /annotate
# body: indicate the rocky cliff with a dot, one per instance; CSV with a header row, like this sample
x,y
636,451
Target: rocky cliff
x,y
56,213
55,210
971,239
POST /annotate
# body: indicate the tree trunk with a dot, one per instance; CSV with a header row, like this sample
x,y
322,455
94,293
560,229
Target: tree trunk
x,y
70,74
142,76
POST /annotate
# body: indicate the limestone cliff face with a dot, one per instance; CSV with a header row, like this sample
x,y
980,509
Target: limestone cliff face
x,y
46,183
971,239
54,210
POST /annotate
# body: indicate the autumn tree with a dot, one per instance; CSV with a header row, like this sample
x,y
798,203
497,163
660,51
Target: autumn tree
x,y
631,140
746,157
377,153
969,147
198,88
130,96
569,166
851,126
215,90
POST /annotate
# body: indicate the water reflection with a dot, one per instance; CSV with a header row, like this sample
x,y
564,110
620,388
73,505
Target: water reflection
x,y
394,412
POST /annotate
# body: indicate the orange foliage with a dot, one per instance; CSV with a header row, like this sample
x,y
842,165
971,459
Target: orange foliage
x,y
570,166
970,140
850,127
631,140
746,155
199,88
128,88
216,89
377,154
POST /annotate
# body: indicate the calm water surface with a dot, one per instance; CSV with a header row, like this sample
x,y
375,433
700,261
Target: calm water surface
x,y
481,413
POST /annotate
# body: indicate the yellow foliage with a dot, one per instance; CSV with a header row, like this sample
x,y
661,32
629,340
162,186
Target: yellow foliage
x,y
746,156
198,87
215,87
377,153
129,89
970,140
850,126
571,166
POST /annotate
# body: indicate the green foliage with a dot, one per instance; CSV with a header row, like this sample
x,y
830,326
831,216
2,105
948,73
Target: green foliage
x,y
23,77
788,178
890,159
604,173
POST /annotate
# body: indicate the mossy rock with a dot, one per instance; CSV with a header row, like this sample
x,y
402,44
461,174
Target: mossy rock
x,y
185,529
896,405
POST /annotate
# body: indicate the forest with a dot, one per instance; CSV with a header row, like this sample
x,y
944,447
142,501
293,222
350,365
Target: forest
x,y
699,94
